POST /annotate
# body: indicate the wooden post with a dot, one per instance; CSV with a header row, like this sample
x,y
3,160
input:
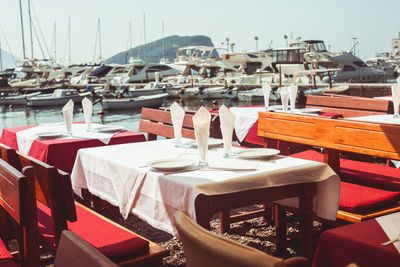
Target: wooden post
x,y
315,83
280,76
330,79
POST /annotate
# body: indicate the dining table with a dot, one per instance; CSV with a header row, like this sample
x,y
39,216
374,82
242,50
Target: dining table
x,y
49,143
361,243
384,118
246,124
129,177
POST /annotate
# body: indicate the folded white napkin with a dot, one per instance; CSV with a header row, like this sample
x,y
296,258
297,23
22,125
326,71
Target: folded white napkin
x,y
177,116
284,98
87,106
67,111
396,98
201,123
266,88
391,226
292,96
227,119
245,118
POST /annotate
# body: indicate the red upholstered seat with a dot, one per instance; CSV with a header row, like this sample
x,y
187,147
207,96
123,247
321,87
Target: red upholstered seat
x,y
358,198
111,240
8,263
363,173
363,193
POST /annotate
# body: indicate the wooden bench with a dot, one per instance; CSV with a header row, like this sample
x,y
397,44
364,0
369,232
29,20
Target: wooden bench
x,y
349,106
57,211
335,136
73,250
157,122
17,201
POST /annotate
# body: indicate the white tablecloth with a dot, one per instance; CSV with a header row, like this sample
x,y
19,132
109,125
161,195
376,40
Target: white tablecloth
x,y
384,97
26,137
115,174
386,118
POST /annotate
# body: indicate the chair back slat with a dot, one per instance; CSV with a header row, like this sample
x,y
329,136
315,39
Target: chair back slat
x,y
51,185
349,106
17,198
157,122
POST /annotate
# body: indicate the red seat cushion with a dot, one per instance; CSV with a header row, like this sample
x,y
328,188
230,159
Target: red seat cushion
x,y
359,199
363,173
8,263
4,253
362,196
108,238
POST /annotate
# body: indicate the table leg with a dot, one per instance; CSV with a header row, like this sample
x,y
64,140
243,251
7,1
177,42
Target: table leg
x,y
306,221
203,214
280,225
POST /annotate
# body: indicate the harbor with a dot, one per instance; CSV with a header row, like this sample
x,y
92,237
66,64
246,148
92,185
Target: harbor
x,y
218,133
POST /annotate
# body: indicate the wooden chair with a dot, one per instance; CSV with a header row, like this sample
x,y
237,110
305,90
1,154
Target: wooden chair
x,y
57,211
157,122
335,136
18,201
349,106
204,248
74,251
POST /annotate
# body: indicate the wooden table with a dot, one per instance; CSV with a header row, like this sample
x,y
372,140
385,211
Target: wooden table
x,y
117,174
61,153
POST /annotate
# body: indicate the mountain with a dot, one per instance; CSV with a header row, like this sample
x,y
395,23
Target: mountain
x,y
153,52
7,60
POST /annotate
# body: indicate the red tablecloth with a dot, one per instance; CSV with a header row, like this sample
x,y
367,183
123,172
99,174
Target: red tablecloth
x,y
253,138
359,243
61,153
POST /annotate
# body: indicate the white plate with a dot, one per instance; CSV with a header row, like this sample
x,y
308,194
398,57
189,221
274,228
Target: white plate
x,y
257,153
50,134
211,143
171,164
108,129
308,110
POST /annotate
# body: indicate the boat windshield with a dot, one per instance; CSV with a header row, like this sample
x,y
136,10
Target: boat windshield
x,y
318,47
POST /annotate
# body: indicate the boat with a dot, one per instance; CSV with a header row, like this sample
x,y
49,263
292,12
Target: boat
x,y
217,93
57,98
256,95
15,99
327,90
133,102
151,88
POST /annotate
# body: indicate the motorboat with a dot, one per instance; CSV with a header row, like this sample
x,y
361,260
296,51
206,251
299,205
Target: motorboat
x,y
217,93
147,73
327,90
256,95
133,102
57,98
15,99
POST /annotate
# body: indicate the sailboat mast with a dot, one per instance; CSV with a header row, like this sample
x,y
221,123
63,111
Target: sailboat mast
x,y
162,40
1,59
69,40
22,29
30,26
55,43
144,36
98,25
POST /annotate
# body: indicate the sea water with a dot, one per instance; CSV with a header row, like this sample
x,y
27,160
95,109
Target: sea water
x,y
129,119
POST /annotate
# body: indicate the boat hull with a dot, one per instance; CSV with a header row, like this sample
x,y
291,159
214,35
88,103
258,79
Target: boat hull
x,y
133,103
54,101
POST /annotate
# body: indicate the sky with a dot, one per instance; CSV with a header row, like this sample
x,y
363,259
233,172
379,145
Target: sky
x,y
337,22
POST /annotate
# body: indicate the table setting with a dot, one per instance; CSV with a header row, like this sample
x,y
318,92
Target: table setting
x,y
154,179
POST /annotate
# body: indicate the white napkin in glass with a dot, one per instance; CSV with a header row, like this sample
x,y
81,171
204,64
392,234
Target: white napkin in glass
x,y
292,96
396,98
227,119
284,98
87,106
201,123
266,88
67,111
177,116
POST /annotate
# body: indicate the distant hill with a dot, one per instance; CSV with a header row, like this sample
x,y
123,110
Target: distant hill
x,y
153,52
7,60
